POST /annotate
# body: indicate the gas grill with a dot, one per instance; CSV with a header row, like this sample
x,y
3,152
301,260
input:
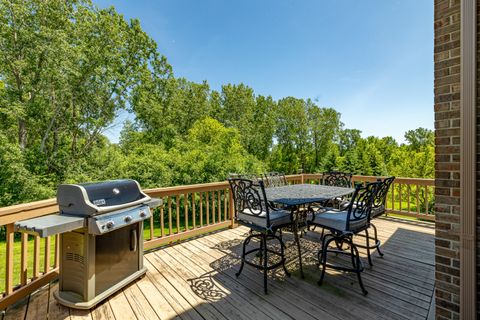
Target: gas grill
x,y
101,238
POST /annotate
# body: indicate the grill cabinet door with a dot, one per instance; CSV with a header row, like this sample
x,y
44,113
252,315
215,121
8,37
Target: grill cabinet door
x,y
116,256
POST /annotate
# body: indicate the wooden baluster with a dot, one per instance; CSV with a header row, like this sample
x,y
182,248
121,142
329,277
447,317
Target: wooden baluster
x,y
408,197
193,211
177,211
24,260
426,199
162,220
400,195
225,215
393,196
201,209
213,207
46,266
9,260
57,251
36,257
207,200
152,226
170,215
418,202
185,210
219,204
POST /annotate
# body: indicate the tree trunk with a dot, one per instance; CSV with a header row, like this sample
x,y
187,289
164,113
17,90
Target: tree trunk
x,y
74,135
22,134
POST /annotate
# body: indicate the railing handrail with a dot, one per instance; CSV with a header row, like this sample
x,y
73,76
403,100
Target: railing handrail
x,y
420,181
48,206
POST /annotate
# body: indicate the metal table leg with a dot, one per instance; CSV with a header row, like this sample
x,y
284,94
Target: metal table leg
x,y
295,216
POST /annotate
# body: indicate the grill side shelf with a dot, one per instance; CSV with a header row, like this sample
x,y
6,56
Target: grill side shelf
x,y
50,225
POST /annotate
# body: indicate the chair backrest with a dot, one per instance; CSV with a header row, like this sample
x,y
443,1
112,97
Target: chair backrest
x,y
249,198
337,179
275,179
360,205
381,197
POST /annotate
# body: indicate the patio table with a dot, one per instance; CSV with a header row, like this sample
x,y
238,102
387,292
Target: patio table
x,y
296,195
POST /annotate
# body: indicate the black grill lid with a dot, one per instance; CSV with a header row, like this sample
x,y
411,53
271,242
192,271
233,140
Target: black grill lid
x,y
88,199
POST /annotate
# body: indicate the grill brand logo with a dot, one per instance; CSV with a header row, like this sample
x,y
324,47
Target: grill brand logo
x,y
99,202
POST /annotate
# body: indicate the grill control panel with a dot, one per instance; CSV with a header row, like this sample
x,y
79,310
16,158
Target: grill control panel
x,y
104,223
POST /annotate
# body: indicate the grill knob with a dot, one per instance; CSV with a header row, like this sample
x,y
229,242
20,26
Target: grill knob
x,y
110,224
127,219
142,214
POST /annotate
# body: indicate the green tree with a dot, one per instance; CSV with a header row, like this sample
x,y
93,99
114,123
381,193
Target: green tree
x,y
324,124
210,152
67,68
17,183
420,138
292,135
348,139
168,107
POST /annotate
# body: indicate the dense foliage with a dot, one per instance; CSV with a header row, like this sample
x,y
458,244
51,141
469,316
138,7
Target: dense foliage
x,y
67,68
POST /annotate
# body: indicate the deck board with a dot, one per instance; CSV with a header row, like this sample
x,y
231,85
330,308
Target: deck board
x,y
196,280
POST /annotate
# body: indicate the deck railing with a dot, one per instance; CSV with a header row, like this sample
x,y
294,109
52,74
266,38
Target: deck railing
x,y
411,197
31,262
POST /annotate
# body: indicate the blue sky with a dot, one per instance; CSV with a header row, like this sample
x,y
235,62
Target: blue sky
x,y
370,60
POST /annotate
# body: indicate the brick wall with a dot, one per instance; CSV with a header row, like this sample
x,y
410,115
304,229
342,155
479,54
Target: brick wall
x,y
447,159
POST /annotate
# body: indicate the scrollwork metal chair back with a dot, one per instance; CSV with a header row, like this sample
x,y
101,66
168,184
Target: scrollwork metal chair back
x,y
249,197
361,203
337,179
275,179
381,197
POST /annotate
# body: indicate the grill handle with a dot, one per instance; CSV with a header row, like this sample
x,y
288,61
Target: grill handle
x,y
133,240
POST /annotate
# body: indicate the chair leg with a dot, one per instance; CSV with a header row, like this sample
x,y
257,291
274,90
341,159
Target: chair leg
x,y
377,242
282,254
245,242
367,236
357,265
265,262
260,252
323,258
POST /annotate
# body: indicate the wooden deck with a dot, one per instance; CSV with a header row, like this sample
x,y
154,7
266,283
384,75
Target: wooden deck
x,y
195,280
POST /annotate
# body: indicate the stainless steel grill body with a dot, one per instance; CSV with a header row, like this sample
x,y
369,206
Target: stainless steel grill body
x,y
101,238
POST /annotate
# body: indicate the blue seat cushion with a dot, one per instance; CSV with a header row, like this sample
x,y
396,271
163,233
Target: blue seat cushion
x,y
277,218
337,220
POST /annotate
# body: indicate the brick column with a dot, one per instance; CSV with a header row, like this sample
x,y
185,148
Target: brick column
x,y
447,159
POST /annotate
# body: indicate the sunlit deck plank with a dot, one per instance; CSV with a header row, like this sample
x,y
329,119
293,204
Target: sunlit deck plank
x,y
56,311
244,297
38,304
343,288
400,285
176,301
120,307
17,311
103,311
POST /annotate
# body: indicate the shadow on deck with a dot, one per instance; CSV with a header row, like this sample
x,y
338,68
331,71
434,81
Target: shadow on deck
x,y
196,280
